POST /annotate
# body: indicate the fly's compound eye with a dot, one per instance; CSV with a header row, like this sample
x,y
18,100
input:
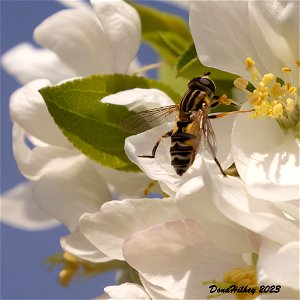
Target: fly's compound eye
x,y
208,83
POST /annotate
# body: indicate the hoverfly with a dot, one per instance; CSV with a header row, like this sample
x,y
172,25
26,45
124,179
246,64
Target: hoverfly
x,y
193,128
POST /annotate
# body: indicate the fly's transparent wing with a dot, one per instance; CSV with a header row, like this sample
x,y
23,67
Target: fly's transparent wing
x,y
209,143
148,119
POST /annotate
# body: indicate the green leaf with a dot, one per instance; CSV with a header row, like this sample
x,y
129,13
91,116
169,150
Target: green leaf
x,y
92,126
188,66
167,75
166,33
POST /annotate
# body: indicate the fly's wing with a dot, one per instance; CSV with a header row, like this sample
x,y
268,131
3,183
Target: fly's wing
x,y
195,130
148,119
209,143
205,139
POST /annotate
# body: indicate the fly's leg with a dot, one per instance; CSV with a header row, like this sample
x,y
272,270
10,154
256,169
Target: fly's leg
x,y
167,134
223,114
219,165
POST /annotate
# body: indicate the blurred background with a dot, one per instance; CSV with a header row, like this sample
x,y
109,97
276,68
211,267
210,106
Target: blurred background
x,y
23,273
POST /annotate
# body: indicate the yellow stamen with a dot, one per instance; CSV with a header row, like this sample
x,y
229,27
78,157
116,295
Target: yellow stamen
x,y
249,62
277,110
267,78
277,90
298,63
289,104
286,70
240,83
292,90
242,277
225,100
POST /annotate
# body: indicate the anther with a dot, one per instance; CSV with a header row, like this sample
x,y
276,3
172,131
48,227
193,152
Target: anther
x,y
240,83
249,62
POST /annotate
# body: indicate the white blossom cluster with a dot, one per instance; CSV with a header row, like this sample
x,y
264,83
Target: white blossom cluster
x,y
207,229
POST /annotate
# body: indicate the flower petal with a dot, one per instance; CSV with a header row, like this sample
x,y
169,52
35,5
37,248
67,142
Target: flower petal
x,y
121,24
224,40
194,199
259,216
33,163
251,28
139,99
76,244
27,63
29,110
79,41
126,291
275,176
178,257
125,184
116,220
19,210
271,24
268,162
279,264
74,187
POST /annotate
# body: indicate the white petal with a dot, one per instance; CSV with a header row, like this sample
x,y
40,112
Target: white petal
x,y
275,176
126,291
74,188
178,257
76,244
79,41
19,210
121,24
222,36
155,291
257,215
226,34
116,220
139,99
125,184
29,110
33,163
194,199
266,158
272,24
27,63
279,264
74,3
290,207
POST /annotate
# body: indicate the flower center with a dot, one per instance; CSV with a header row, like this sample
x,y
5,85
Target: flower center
x,y
241,282
272,97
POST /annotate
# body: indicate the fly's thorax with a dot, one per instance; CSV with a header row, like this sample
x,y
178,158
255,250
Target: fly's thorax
x,y
193,100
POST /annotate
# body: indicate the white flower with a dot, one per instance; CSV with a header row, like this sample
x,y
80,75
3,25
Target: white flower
x,y
125,291
180,258
88,40
266,154
76,50
160,168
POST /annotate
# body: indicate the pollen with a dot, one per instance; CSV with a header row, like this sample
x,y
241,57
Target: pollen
x,y
272,97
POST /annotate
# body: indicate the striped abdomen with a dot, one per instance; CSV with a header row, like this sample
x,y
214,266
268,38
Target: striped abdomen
x,y
182,151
